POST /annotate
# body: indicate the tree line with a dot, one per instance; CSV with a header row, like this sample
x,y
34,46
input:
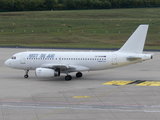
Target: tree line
x,y
30,5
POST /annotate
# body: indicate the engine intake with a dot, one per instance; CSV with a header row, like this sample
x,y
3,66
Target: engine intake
x,y
46,72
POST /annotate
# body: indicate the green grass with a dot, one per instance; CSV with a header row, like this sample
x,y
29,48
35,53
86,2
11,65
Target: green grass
x,y
79,28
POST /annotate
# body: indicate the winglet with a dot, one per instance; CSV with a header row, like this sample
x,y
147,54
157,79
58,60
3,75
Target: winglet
x,y
135,43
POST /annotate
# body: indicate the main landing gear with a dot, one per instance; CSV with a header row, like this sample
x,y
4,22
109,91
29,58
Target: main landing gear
x,y
79,74
69,77
26,75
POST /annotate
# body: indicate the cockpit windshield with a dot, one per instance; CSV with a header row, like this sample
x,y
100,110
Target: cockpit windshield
x,y
13,57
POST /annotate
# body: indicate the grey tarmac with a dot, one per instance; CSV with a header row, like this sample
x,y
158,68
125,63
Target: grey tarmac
x,y
79,99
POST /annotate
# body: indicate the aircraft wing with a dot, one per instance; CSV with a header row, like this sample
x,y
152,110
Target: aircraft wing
x,y
52,66
79,68
62,67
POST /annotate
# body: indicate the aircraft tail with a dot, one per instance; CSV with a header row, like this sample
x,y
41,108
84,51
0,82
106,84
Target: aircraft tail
x,y
135,43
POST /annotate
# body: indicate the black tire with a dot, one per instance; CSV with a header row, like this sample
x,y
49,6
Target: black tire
x,y
25,76
79,74
68,78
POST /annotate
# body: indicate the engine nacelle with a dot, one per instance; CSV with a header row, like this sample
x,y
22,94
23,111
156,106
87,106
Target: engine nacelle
x,y
46,72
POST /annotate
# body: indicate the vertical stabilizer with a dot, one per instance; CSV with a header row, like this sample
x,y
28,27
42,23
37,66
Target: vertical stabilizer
x,y
135,43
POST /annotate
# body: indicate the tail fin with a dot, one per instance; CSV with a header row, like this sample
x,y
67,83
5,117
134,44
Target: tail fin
x,y
135,43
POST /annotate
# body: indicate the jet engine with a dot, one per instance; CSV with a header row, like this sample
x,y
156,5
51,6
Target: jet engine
x,y
46,72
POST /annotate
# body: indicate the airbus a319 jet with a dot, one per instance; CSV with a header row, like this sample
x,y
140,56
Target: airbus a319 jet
x,y
52,64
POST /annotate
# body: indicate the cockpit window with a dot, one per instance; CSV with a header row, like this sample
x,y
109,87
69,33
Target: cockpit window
x,y
13,57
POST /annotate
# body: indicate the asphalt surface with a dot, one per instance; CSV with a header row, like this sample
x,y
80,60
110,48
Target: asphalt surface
x,y
86,98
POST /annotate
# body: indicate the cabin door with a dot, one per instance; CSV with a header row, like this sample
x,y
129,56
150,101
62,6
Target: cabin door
x,y
23,58
114,59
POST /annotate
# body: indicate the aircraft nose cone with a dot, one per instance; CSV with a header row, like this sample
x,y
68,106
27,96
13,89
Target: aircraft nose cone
x,y
7,63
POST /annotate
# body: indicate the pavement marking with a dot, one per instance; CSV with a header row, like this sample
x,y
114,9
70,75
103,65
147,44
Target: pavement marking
x,y
117,82
136,82
87,100
149,83
123,83
80,96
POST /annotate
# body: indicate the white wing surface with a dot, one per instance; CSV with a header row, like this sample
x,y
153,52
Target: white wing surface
x,y
65,67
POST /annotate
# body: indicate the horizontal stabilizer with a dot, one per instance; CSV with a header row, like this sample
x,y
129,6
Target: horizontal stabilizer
x,y
131,58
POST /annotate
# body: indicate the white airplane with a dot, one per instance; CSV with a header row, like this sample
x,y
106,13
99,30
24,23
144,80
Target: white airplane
x,y
52,64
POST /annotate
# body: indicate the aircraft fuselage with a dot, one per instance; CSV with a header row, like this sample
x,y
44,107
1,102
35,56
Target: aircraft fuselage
x,y
92,60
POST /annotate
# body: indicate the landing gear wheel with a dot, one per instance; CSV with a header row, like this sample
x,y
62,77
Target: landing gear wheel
x,y
25,76
68,78
79,74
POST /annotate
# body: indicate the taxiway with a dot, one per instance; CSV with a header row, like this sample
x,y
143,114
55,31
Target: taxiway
x,y
92,97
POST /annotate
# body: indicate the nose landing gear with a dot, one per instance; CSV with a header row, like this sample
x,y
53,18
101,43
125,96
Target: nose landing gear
x,y
26,75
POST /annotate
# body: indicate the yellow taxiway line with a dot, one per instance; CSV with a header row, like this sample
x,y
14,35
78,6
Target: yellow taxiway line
x,y
136,82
